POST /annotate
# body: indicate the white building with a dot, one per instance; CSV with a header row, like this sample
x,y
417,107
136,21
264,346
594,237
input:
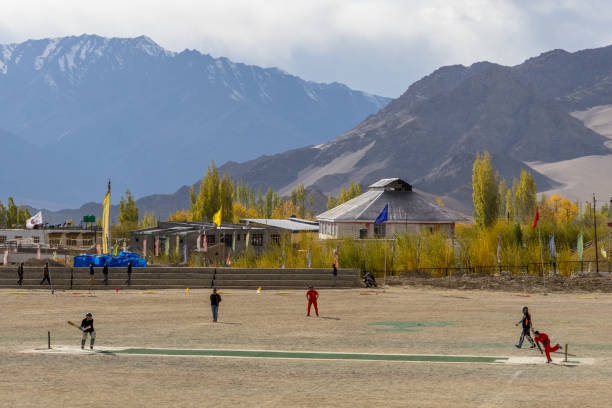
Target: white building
x,y
408,211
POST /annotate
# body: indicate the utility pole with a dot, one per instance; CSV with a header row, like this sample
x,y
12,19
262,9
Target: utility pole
x,y
595,226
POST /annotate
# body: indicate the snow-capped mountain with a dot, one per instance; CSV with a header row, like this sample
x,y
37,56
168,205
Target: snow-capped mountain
x,y
125,108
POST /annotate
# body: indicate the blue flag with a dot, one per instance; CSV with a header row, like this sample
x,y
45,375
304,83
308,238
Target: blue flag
x,y
382,217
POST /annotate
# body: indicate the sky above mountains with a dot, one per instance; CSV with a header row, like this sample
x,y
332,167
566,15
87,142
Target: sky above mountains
x,y
378,46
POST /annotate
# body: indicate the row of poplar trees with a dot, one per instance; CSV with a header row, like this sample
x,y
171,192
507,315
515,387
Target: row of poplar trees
x,y
12,215
493,199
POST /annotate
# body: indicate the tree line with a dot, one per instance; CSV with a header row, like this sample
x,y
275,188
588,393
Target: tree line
x,y
12,215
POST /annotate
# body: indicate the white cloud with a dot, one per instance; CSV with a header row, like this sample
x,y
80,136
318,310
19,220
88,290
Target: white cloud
x,y
379,46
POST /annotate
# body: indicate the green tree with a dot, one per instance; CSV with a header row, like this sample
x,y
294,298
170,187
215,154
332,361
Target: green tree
x,y
11,213
331,202
209,198
268,203
526,196
226,193
3,216
128,212
485,191
503,192
148,220
22,215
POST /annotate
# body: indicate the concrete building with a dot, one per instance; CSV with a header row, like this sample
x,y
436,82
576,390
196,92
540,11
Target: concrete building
x,y
408,212
70,238
210,243
292,226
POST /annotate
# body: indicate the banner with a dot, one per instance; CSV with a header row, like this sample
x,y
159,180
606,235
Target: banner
x,y
217,217
156,246
34,221
580,246
205,243
6,257
144,247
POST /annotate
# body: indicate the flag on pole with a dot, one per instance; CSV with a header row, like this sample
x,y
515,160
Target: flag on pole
x,y
185,252
536,219
34,221
144,247
308,258
106,221
228,262
217,217
156,246
382,217
38,252
199,242
234,241
551,247
5,262
604,253
204,243
580,246
499,250
98,249
248,235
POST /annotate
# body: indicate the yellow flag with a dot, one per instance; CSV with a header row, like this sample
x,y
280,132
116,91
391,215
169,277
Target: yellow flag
x,y
106,223
217,217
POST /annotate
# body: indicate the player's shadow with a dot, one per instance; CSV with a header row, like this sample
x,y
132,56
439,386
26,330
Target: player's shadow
x,y
231,323
329,318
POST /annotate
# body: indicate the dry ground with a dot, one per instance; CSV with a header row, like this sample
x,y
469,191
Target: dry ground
x,y
475,322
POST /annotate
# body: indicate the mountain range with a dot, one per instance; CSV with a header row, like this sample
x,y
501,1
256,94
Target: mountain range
x,y
550,115
75,111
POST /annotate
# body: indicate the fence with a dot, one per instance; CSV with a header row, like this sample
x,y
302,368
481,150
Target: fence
x,y
564,268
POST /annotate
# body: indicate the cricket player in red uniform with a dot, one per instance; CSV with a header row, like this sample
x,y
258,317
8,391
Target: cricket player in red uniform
x,y
543,338
312,296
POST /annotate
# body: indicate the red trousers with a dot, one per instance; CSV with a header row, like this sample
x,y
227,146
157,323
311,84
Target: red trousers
x,y
548,350
313,303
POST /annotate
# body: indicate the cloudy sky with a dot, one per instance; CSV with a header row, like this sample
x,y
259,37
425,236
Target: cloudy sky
x,y
378,46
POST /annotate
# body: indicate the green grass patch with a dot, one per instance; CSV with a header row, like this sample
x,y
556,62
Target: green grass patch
x,y
308,355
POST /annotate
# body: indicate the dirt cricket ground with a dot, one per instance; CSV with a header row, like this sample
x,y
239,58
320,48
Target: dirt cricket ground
x,y
403,320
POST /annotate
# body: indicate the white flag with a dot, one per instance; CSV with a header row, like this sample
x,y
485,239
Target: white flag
x,y
35,220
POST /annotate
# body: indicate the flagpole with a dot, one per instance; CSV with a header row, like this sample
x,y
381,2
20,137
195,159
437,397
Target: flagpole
x,y
109,222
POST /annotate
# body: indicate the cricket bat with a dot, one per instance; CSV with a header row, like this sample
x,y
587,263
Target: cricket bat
x,y
75,325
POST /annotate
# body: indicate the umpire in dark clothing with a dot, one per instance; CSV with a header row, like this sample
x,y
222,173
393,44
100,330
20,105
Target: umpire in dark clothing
x,y
20,274
46,274
129,273
105,272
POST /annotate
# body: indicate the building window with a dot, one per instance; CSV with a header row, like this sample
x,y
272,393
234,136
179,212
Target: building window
x,y
87,242
257,240
18,237
36,240
380,230
275,238
54,242
71,242
210,240
2,239
238,237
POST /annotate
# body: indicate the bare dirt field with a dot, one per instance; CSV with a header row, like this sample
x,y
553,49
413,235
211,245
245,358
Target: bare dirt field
x,y
402,320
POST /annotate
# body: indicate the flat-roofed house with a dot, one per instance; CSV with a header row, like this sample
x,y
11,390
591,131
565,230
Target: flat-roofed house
x,y
408,212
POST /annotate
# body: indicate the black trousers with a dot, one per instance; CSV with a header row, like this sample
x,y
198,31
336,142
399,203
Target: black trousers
x,y
46,278
526,333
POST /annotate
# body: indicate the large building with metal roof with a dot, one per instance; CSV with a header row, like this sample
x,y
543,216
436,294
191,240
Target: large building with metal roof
x,y
408,212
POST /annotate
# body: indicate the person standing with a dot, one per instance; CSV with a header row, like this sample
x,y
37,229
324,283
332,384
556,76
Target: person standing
x,y
129,274
543,338
334,274
71,277
312,296
105,272
91,275
215,299
87,326
526,323
46,274
20,274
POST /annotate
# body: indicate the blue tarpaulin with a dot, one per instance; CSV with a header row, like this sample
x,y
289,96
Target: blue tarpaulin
x,y
84,260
